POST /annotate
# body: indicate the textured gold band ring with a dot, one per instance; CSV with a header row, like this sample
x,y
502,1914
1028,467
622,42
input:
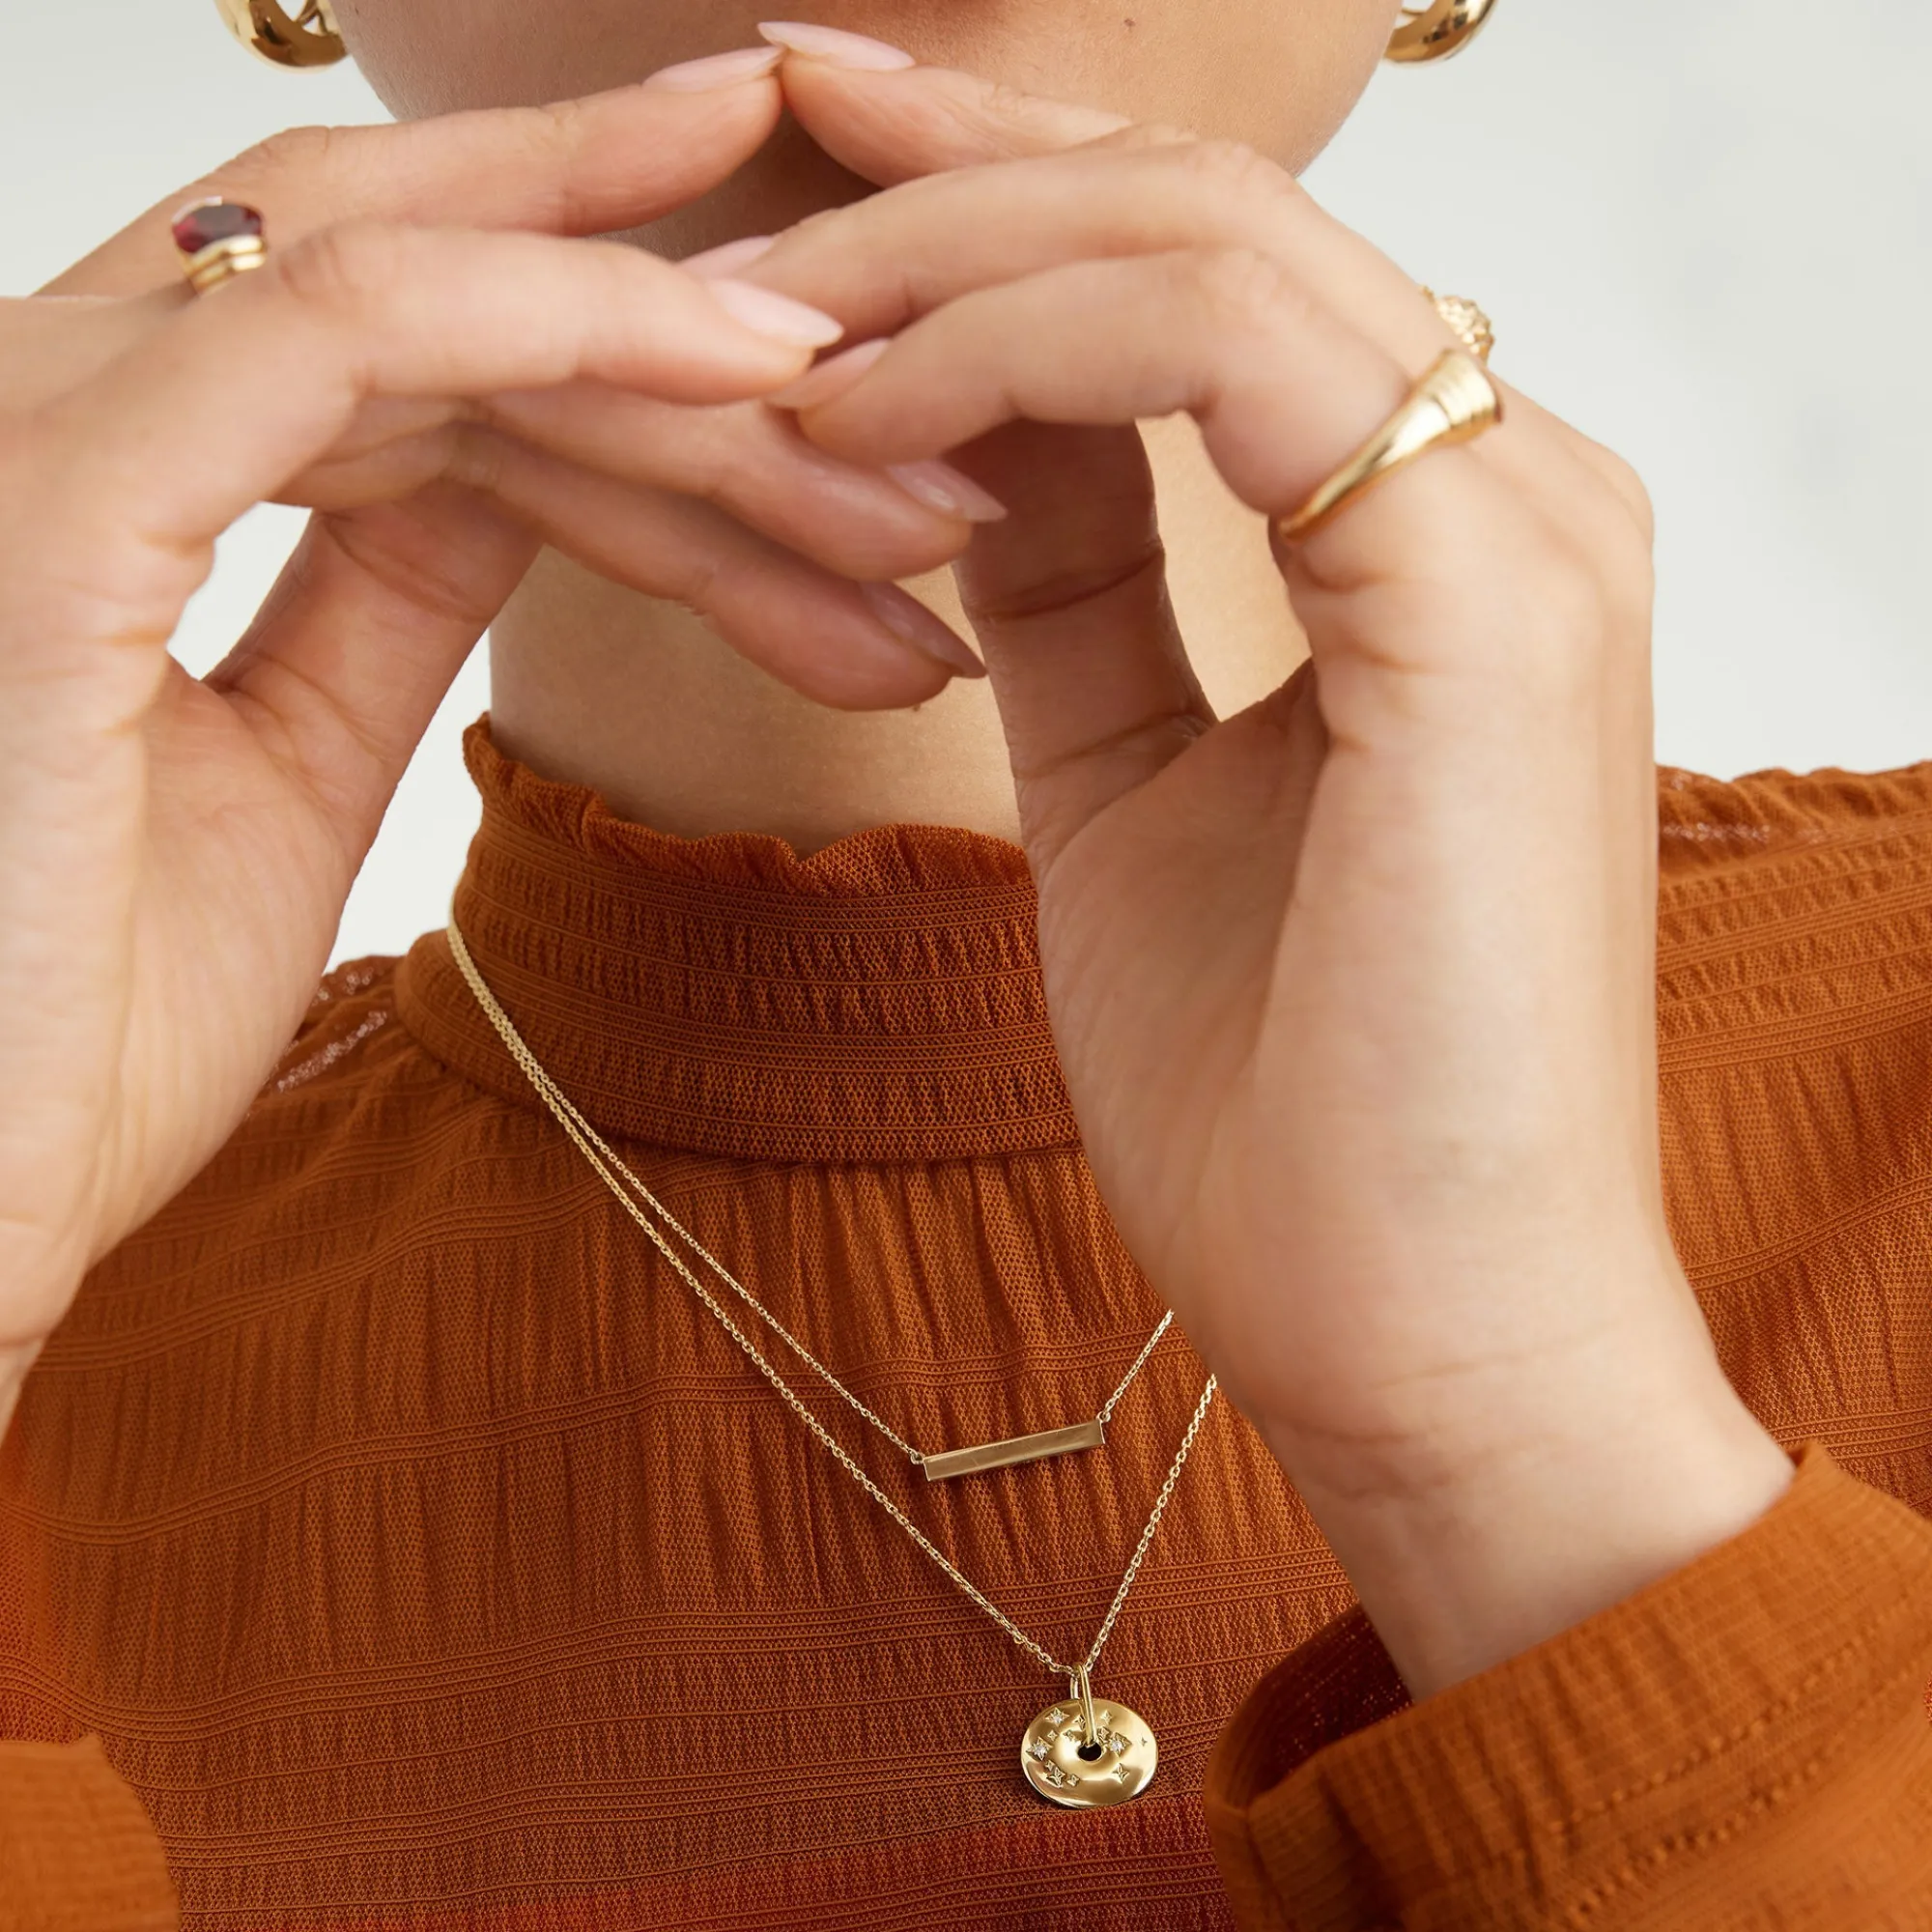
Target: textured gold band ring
x,y
1468,323
1455,402
216,240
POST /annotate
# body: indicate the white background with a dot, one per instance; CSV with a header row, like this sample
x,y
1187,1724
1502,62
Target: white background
x,y
1705,230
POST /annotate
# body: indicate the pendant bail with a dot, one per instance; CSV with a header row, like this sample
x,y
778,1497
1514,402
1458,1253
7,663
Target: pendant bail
x,y
1084,1690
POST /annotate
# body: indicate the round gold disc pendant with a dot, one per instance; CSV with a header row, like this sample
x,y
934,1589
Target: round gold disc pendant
x,y
1067,1765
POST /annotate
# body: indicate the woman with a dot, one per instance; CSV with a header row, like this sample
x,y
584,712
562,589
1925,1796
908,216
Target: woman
x,y
393,1535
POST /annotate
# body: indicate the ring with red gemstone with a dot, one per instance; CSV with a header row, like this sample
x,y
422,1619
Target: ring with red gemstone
x,y
217,240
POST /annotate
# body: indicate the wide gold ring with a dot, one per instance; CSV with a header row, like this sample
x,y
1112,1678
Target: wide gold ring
x,y
216,240
1455,402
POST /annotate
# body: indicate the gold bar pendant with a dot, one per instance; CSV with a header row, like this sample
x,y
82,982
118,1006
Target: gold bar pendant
x,y
1015,1449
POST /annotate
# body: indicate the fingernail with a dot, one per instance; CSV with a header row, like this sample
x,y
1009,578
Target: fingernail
x,y
912,623
834,46
731,257
830,380
949,490
716,71
778,316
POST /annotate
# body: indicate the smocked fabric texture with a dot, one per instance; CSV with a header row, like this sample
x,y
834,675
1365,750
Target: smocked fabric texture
x,y
387,1540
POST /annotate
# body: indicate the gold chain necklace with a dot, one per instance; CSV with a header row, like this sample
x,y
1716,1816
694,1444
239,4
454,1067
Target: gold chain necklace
x,y
1080,1754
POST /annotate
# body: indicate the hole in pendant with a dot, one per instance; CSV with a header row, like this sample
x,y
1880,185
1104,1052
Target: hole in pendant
x,y
1090,1753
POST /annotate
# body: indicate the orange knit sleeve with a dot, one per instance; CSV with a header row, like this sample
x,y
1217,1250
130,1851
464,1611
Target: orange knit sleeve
x,y
77,1852
1742,1743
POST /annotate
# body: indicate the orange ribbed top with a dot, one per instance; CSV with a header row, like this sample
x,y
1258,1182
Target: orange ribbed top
x,y
388,1540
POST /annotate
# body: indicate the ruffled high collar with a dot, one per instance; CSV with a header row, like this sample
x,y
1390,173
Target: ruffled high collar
x,y
879,1001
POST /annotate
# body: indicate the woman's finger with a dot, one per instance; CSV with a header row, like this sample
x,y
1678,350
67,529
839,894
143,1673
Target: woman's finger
x,y
377,610
750,461
373,312
1284,392
1090,184
857,646
1068,598
901,125
755,463
355,646
48,343
883,262
1283,389
115,530
610,161
895,124
1097,184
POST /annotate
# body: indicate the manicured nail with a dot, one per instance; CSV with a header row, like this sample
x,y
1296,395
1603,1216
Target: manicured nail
x,y
717,71
778,316
912,623
731,257
830,380
949,490
835,47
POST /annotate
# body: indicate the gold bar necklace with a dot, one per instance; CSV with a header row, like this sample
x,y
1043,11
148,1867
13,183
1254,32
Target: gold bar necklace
x,y
938,1467
1015,1449
1080,1753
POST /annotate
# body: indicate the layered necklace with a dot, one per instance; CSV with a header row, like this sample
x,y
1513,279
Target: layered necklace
x,y
1081,1753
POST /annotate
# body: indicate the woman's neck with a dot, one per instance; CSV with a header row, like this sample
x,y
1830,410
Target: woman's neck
x,y
638,701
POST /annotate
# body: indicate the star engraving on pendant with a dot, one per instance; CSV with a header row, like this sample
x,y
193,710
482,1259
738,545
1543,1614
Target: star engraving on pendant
x,y
1082,1763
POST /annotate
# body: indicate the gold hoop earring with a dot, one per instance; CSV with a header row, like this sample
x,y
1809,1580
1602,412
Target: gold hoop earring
x,y
307,39
1443,28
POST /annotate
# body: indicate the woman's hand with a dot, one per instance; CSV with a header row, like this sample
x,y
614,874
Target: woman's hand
x,y
449,388
1353,990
